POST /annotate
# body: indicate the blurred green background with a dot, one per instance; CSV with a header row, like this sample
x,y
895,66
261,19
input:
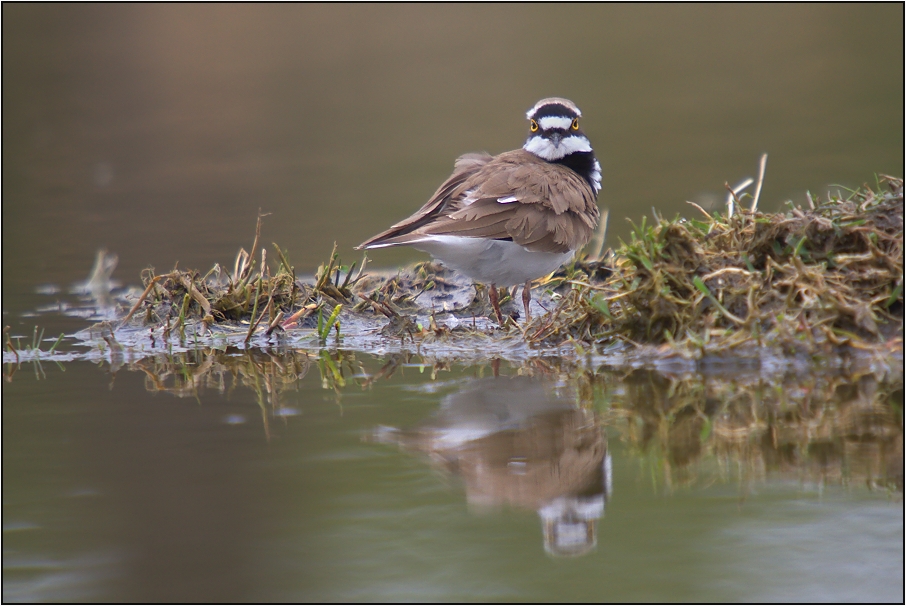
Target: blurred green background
x,y
159,130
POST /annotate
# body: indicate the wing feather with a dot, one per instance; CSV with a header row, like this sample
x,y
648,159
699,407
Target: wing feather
x,y
466,166
554,210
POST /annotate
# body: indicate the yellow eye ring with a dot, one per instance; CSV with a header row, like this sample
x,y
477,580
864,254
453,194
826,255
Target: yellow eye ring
x,y
533,126
575,124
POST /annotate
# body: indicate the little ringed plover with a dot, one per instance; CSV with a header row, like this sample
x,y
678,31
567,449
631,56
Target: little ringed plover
x,y
511,218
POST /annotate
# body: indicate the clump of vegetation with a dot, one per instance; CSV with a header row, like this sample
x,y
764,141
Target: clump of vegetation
x,y
257,298
828,274
803,280
174,299
31,353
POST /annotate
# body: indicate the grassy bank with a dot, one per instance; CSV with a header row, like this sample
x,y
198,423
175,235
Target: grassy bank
x,y
830,274
806,280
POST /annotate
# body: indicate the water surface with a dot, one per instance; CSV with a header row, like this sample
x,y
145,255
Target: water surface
x,y
442,484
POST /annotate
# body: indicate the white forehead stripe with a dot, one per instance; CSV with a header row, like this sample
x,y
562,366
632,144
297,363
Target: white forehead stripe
x,y
549,122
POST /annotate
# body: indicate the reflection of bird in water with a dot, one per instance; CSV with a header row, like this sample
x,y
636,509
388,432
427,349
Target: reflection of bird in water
x,y
99,285
522,442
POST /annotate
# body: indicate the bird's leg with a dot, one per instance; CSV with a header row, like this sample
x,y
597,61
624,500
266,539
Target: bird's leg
x,y
495,303
527,299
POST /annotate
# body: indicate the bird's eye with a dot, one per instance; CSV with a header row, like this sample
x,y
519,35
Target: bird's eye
x,y
533,126
575,124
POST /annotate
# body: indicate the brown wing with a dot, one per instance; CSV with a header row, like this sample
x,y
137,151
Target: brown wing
x,y
465,167
552,209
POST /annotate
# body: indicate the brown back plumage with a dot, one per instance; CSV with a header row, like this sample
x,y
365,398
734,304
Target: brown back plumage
x,y
554,211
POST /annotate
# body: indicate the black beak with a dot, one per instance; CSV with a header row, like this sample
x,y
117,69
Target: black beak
x,y
555,138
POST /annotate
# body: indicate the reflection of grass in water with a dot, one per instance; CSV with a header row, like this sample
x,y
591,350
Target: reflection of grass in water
x,y
818,428
267,374
828,428
187,374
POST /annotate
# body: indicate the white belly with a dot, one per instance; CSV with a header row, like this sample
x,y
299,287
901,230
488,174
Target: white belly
x,y
492,261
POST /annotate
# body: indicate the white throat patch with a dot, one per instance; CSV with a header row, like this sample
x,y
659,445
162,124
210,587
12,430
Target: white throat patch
x,y
543,148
